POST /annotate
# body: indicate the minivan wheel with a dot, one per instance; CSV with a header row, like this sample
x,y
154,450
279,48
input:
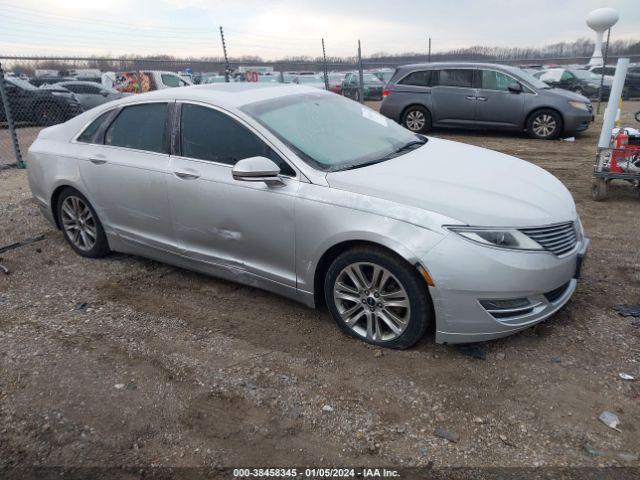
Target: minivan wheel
x,y
417,119
80,225
377,297
544,124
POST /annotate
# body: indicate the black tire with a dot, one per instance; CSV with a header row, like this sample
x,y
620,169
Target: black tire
x,y
419,315
638,116
539,124
599,189
412,118
101,246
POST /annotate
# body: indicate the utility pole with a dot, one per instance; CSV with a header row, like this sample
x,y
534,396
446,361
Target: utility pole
x,y
604,64
226,59
324,65
429,54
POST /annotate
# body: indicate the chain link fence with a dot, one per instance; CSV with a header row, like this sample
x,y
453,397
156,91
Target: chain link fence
x,y
37,92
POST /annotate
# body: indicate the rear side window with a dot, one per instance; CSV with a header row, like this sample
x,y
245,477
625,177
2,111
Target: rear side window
x,y
140,127
455,78
207,134
90,134
418,79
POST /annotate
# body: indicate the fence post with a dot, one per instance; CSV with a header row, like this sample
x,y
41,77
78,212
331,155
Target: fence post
x,y
360,74
7,112
324,67
429,55
226,59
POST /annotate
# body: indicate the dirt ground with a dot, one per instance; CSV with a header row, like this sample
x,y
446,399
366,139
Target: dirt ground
x,y
125,361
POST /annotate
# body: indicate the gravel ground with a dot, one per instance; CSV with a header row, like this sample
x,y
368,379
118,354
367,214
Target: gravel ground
x,y
125,361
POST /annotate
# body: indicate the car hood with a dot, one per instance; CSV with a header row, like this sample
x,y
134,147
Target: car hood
x,y
569,95
473,185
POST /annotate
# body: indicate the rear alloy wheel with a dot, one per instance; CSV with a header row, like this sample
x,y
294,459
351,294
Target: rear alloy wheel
x,y
374,296
545,125
80,224
417,119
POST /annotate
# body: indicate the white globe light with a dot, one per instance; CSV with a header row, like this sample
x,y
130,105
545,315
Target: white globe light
x,y
600,20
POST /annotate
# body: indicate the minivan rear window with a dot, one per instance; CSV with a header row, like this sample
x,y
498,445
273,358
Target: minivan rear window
x,y
457,77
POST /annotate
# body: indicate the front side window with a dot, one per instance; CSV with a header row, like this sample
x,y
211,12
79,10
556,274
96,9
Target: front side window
x,y
566,76
418,79
456,78
330,132
208,134
492,80
90,134
140,127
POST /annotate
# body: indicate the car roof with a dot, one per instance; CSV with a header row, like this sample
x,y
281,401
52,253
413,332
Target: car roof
x,y
232,95
454,65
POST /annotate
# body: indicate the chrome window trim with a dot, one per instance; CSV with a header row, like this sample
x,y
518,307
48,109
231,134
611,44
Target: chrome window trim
x,y
115,107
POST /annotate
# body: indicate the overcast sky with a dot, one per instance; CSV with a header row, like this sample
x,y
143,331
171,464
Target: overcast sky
x,y
279,28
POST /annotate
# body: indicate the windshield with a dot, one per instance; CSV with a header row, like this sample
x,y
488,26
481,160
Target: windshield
x,y
370,78
330,132
18,82
528,78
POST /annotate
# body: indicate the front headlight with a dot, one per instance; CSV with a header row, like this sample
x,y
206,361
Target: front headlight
x,y
579,105
498,237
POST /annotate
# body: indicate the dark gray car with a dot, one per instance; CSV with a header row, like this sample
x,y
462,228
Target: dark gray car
x,y
91,94
480,95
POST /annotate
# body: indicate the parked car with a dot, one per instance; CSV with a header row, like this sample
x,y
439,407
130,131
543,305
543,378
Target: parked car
x,y
42,106
383,74
212,78
631,87
315,81
596,71
143,81
335,82
575,80
289,77
49,80
91,94
307,194
372,90
486,96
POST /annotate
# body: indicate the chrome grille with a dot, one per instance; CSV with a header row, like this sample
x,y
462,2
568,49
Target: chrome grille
x,y
558,239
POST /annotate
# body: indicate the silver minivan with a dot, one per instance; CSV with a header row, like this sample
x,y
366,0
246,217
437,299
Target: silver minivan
x,y
480,95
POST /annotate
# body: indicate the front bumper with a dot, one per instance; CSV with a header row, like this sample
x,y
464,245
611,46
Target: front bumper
x,y
577,121
465,274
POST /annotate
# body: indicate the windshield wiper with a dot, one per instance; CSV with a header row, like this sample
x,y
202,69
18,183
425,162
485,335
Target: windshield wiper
x,y
407,146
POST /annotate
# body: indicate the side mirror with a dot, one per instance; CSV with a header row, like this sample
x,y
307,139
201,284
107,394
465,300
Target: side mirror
x,y
515,88
104,93
257,169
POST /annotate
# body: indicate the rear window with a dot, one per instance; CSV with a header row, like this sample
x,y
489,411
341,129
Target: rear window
x,y
90,134
418,79
140,127
455,78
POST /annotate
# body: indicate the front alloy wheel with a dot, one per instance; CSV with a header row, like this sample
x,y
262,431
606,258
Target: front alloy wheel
x,y
376,296
80,224
372,302
545,125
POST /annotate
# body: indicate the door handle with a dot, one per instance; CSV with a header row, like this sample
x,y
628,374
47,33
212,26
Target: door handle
x,y
186,176
482,99
471,97
98,161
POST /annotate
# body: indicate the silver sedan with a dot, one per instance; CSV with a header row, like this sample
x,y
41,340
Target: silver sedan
x,y
318,198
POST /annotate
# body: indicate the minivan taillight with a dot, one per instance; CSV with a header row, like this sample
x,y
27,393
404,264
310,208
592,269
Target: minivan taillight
x,y
385,93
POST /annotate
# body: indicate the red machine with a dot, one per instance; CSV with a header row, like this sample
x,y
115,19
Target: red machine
x,y
619,162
